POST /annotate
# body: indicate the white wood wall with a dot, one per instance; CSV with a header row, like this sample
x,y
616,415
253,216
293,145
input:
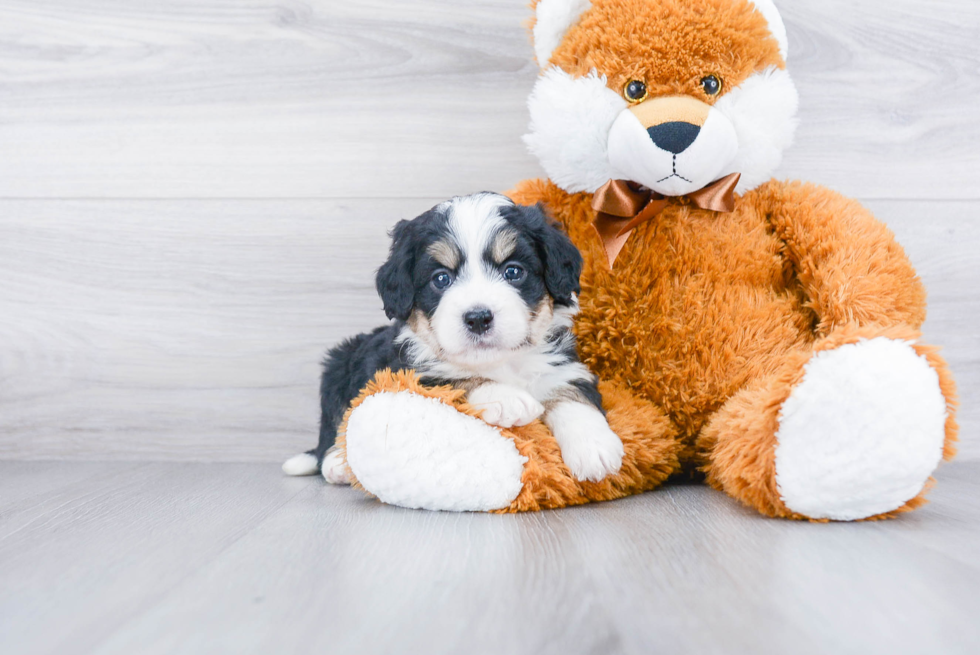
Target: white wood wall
x,y
194,194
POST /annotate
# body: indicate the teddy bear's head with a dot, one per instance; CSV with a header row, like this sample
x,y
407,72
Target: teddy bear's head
x,y
670,94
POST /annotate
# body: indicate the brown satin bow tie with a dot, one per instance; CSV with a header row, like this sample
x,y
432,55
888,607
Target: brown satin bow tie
x,y
623,206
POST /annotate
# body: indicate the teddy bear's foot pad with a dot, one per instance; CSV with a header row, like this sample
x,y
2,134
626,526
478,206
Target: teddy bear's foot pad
x,y
862,432
418,452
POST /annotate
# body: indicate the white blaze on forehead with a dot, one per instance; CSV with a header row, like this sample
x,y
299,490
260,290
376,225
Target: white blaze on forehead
x,y
473,221
553,18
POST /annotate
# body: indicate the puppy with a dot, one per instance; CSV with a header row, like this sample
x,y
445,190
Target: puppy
x,y
483,293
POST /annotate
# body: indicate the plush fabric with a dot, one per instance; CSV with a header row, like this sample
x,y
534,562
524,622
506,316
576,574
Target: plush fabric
x,y
775,350
650,442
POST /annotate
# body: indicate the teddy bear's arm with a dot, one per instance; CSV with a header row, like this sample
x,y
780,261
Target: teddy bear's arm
x,y
849,263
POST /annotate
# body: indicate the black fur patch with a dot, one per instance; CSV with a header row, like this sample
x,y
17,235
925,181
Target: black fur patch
x,y
557,258
347,369
588,388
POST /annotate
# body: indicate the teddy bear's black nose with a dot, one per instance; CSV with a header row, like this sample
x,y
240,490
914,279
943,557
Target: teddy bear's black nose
x,y
674,137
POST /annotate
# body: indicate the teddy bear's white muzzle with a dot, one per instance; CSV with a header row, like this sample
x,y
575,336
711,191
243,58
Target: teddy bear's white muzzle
x,y
673,158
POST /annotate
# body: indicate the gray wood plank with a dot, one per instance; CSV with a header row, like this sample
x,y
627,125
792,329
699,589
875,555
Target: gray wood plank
x,y
93,557
944,528
192,330
240,98
717,579
235,558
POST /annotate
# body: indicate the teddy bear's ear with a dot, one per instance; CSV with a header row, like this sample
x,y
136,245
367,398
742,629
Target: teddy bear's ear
x,y
552,19
768,9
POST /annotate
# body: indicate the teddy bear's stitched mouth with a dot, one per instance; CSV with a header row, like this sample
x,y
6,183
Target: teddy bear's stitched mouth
x,y
675,174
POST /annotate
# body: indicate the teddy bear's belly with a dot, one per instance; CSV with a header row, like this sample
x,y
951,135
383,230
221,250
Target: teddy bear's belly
x,y
693,311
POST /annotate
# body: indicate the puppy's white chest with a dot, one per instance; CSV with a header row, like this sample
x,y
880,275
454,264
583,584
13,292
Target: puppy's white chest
x,y
538,374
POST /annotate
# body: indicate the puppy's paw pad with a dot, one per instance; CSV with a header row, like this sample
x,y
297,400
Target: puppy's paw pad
x,y
505,406
588,447
593,457
335,468
302,464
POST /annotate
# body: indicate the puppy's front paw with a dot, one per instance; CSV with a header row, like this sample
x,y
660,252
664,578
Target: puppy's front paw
x,y
334,468
505,405
589,448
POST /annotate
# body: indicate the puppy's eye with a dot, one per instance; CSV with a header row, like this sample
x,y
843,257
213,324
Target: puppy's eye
x,y
711,85
635,91
442,279
514,273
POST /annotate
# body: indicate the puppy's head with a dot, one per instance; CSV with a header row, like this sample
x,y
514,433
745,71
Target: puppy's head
x,y
479,278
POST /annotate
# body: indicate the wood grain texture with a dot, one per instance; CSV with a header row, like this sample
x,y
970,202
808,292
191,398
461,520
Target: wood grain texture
x,y
385,98
192,330
235,558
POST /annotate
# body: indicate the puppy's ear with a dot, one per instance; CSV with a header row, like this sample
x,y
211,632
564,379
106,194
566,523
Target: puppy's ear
x,y
394,280
562,260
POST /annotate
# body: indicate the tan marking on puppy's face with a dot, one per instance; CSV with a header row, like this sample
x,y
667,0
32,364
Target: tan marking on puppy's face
x,y
541,321
419,323
446,253
504,244
670,45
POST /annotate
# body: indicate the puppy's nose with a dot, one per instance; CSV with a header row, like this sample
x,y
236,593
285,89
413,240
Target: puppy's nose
x,y
478,321
675,137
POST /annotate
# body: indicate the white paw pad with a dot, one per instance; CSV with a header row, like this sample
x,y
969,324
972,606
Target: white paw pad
x,y
862,433
588,447
302,464
505,405
334,468
417,452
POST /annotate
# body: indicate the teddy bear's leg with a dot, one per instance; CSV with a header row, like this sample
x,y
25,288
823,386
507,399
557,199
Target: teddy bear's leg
x,y
420,452
426,447
849,430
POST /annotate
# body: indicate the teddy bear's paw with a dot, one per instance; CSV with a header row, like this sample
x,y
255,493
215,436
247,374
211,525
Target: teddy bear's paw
x,y
589,448
505,405
417,452
334,468
862,432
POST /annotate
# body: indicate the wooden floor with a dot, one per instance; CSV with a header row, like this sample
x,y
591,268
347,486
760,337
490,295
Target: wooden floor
x,y
235,558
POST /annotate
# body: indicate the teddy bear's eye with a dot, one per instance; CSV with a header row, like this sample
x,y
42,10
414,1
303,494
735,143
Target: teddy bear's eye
x,y
635,91
711,85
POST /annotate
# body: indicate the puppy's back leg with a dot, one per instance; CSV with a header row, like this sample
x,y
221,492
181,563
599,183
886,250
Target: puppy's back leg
x,y
302,464
326,457
334,468
312,461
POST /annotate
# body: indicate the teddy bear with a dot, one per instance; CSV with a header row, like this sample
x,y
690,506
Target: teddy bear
x,y
758,334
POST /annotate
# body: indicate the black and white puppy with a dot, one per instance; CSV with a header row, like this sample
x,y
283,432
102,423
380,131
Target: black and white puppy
x,y
483,293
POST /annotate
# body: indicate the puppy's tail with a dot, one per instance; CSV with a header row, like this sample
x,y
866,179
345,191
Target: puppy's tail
x,y
303,464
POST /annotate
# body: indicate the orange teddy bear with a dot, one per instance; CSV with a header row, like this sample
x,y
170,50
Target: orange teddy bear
x,y
763,333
